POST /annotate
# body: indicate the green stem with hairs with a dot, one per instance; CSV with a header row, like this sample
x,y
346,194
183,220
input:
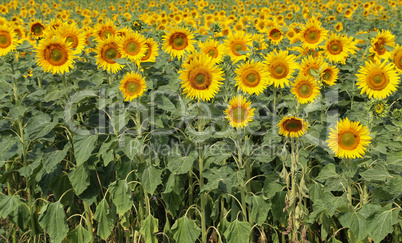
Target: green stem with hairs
x,y
201,168
293,189
88,220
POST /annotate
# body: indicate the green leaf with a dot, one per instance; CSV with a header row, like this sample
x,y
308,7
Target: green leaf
x,y
121,196
185,230
164,103
105,221
327,172
20,216
259,208
39,126
149,228
150,178
356,222
79,234
53,158
381,225
53,219
181,165
271,188
79,178
378,173
83,147
237,232
8,204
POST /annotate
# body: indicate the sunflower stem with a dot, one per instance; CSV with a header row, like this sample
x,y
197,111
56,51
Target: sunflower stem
x,y
89,220
242,186
293,190
201,168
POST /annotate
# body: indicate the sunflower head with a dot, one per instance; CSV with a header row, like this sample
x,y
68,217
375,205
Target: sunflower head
x,y
349,139
252,77
280,66
37,29
132,85
8,40
379,108
396,57
312,34
239,112
236,43
107,51
132,46
329,75
292,126
305,89
178,42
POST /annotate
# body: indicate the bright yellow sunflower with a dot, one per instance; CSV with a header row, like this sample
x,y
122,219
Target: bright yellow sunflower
x,y
213,49
311,66
312,34
178,42
200,78
132,85
239,112
280,66
8,40
292,127
55,55
275,34
151,51
379,44
349,139
108,50
37,29
252,77
105,29
73,35
377,80
329,75
55,23
338,48
238,41
305,89
132,46
396,57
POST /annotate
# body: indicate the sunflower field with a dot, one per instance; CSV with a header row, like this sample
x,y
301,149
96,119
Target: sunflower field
x,y
201,121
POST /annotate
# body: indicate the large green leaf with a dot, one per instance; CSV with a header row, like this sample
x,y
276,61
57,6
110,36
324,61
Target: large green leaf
x,y
378,173
150,178
83,147
20,216
327,172
238,232
79,178
79,234
121,196
8,204
149,228
381,224
105,220
53,158
39,126
181,165
185,230
53,219
259,208
356,222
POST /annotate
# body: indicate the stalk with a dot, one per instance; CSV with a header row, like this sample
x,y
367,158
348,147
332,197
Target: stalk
x,y
202,194
293,192
88,220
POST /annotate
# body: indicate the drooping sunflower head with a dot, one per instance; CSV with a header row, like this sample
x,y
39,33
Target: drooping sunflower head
x,y
396,57
132,85
151,51
380,42
55,55
132,46
377,80
8,40
239,112
178,42
312,34
108,50
305,89
236,42
349,139
280,66
213,49
252,77
201,79
329,75
73,35
292,126
37,29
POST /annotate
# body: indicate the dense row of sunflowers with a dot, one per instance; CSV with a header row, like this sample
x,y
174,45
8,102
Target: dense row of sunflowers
x,y
265,52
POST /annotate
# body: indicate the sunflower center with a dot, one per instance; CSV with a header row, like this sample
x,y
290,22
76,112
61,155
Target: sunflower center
x,y
200,79
380,46
326,75
292,125
349,140
398,59
111,53
279,70
379,108
37,29
335,47
132,87
305,90
377,79
132,48
212,53
178,41
312,36
147,52
56,55
236,47
275,34
73,41
239,114
5,39
251,78
107,33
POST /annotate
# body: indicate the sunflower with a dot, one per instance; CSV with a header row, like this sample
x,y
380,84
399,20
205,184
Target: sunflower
x,y
261,43
281,67
396,57
380,42
179,41
37,29
275,34
292,36
377,80
132,46
55,55
213,49
239,112
329,75
107,50
73,35
349,139
238,41
305,89
312,66
151,51
380,109
132,85
105,30
55,24
252,77
200,78
312,34
338,48
339,27
8,40
292,127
